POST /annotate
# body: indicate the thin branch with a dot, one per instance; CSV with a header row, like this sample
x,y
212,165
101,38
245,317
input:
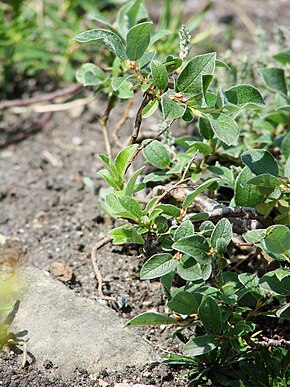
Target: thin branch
x,y
138,120
122,121
98,274
104,121
275,343
42,98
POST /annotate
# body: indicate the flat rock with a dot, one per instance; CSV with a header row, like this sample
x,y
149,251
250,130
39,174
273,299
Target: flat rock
x,y
72,332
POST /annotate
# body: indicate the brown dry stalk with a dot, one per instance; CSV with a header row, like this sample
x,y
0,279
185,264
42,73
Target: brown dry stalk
x,y
98,274
122,121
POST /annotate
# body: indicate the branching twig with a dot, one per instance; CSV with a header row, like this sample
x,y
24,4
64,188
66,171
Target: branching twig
x,y
98,274
42,98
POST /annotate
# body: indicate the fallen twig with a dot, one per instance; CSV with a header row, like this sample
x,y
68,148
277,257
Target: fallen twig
x,y
35,128
41,98
98,274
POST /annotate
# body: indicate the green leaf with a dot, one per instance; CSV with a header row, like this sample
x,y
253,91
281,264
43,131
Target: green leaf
x,y
251,282
210,315
271,283
168,209
190,198
184,230
244,96
183,303
109,179
277,240
283,57
190,79
89,74
131,208
223,229
172,64
195,246
123,158
150,318
221,245
205,129
138,39
285,146
145,59
125,234
109,39
274,79
156,154
265,180
159,74
150,108
129,14
171,109
246,195
130,186
158,265
200,345
123,87
260,161
220,63
224,127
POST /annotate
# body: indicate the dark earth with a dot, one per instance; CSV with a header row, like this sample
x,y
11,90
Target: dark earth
x,y
45,205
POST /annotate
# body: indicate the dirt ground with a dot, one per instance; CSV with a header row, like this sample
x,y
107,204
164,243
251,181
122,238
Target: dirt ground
x,y
46,206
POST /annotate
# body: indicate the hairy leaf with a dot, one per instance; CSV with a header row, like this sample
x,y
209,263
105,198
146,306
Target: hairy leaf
x,y
260,161
156,154
138,39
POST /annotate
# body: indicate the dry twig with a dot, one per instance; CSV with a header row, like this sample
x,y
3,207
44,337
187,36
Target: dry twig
x,y
98,274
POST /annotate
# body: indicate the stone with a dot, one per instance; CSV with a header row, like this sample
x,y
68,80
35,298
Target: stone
x,y
72,331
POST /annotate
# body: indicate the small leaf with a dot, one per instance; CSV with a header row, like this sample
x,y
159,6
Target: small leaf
x,y
260,161
224,127
221,245
171,109
244,96
172,64
274,79
89,74
145,59
125,234
190,79
184,230
245,194
131,208
109,179
271,283
190,198
265,180
277,240
150,318
156,154
123,158
285,146
109,39
195,246
157,266
138,39
210,315
123,87
169,209
150,108
200,345
183,303
130,186
223,229
283,57
159,74
205,129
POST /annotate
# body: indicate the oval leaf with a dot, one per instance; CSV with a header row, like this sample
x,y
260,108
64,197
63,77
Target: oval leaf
x,y
183,303
157,266
244,96
210,315
195,246
159,74
156,154
138,39
109,39
150,318
171,109
260,161
200,345
224,127
224,230
246,195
